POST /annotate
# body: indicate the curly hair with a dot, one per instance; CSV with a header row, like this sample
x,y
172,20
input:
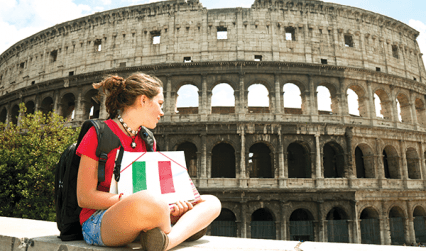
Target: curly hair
x,y
122,93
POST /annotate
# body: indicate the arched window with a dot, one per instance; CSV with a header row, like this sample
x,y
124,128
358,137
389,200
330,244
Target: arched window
x,y
223,99
364,161
223,161
190,157
391,163
262,225
260,161
370,226
404,110
225,224
419,216
420,112
413,164
396,224
333,160
30,107
337,226
91,105
15,114
3,115
301,226
299,161
353,104
258,99
187,100
383,105
67,107
47,105
292,99
324,100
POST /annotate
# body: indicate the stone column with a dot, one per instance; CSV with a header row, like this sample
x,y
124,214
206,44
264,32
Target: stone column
x,y
168,106
284,222
203,105
394,108
78,107
356,229
57,103
102,112
321,224
241,105
319,177
371,105
404,170
243,219
204,166
313,104
422,162
344,111
380,167
413,110
385,236
279,106
242,174
282,171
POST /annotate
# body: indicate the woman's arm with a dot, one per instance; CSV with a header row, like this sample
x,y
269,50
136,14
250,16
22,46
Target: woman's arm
x,y
87,181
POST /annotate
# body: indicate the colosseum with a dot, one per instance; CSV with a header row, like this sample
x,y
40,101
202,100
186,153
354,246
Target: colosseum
x,y
281,172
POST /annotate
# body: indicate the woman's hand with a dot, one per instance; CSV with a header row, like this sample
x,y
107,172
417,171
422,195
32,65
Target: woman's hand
x,y
179,209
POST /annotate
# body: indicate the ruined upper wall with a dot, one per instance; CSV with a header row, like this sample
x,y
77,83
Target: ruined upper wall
x,y
124,37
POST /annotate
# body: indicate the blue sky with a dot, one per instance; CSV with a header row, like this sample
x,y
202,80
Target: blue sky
x,y
22,18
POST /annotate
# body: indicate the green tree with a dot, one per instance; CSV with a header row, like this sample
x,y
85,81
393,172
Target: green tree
x,y
29,152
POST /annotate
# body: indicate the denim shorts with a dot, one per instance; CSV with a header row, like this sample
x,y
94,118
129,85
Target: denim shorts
x,y
92,229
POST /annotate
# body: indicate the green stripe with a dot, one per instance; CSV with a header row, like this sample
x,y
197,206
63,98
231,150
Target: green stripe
x,y
139,176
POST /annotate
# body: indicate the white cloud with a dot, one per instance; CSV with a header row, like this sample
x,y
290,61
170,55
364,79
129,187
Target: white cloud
x,y
421,39
23,18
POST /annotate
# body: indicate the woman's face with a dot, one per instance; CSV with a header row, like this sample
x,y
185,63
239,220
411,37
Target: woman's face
x,y
153,109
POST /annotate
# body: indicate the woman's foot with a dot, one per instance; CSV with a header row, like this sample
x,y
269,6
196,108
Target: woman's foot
x,y
154,240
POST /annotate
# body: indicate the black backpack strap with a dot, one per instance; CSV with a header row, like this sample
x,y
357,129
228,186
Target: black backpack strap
x,y
148,137
117,168
107,141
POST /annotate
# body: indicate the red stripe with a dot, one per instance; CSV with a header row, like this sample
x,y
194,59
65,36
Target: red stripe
x,y
172,160
166,177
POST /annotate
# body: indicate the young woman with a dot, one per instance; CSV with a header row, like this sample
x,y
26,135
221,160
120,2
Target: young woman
x,y
115,220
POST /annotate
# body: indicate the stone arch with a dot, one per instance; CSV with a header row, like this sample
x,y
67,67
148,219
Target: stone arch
x,y
396,224
334,97
14,114
267,84
225,224
263,224
413,164
405,107
91,105
225,92
299,160
420,111
190,151
419,218
303,87
223,161
301,225
385,104
3,115
362,99
67,106
364,161
187,100
337,225
30,107
292,99
333,160
46,105
261,161
391,163
370,226
258,98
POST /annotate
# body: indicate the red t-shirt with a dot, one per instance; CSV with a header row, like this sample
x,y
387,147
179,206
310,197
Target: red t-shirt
x,y
88,147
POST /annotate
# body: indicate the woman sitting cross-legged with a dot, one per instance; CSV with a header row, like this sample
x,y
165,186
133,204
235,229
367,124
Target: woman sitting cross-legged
x,y
114,220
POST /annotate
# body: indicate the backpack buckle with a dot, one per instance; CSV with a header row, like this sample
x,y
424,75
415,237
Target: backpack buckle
x,y
103,157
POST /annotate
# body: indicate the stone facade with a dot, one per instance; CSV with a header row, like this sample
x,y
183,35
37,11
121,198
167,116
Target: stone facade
x,y
296,172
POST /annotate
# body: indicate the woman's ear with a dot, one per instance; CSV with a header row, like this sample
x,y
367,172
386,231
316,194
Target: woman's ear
x,y
143,100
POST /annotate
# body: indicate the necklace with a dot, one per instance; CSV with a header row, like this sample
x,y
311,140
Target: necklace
x,y
128,131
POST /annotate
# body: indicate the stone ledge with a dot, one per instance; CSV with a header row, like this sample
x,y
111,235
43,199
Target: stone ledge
x,y
32,235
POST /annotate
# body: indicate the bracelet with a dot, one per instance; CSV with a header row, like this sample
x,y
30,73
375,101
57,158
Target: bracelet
x,y
119,196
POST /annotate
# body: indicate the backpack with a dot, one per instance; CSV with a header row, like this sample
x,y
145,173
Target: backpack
x,y
66,205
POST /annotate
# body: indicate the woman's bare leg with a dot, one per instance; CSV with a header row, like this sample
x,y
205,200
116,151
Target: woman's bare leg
x,y
194,220
141,211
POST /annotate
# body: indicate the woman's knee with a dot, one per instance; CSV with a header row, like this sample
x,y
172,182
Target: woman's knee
x,y
213,203
150,204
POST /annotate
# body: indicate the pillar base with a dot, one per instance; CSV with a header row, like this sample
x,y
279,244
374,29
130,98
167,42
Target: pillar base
x,y
319,182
